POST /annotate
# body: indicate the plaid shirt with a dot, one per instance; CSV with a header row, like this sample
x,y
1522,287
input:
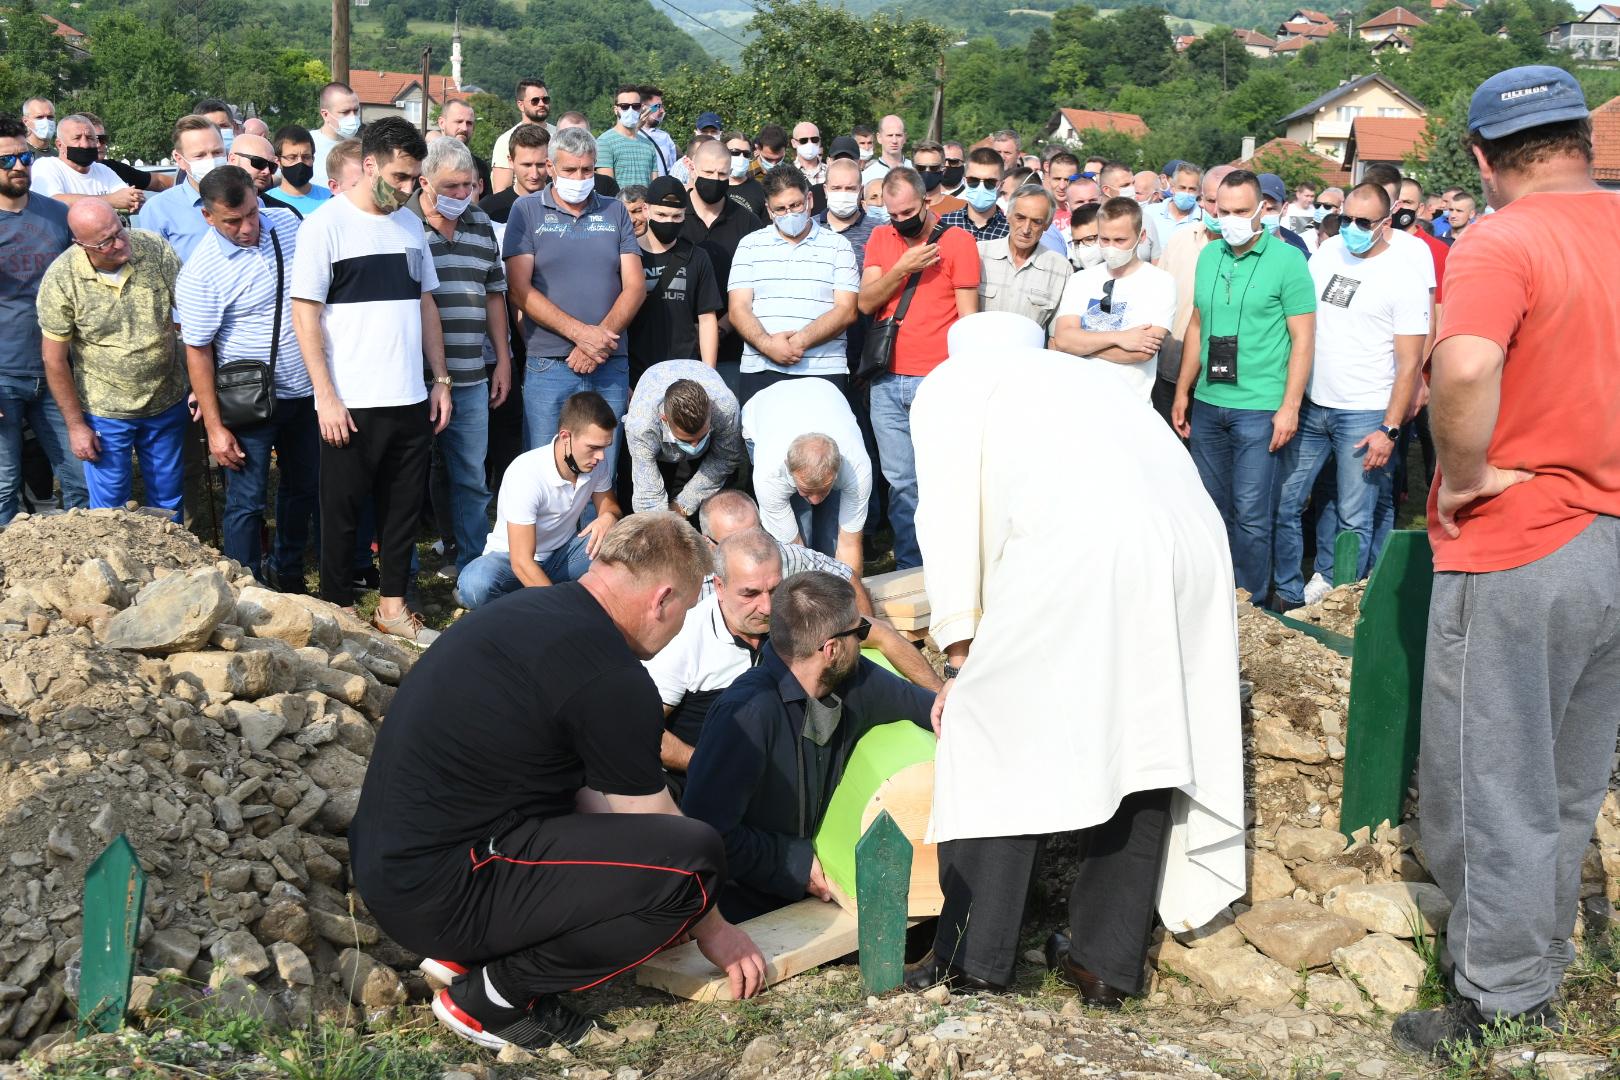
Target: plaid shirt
x,y
995,229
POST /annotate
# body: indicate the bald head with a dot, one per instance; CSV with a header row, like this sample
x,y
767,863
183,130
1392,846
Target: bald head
x,y
95,225
255,126
257,145
727,512
254,154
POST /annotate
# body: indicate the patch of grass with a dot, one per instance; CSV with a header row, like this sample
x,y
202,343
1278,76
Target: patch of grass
x,y
870,1072
1433,992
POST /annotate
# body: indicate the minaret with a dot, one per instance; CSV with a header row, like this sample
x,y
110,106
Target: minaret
x,y
455,52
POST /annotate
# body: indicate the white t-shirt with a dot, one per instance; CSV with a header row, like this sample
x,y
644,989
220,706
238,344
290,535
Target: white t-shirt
x,y
782,412
534,493
1361,305
1144,297
369,272
1414,251
53,176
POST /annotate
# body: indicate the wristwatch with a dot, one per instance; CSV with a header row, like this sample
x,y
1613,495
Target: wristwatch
x,y
1393,434
441,380
952,671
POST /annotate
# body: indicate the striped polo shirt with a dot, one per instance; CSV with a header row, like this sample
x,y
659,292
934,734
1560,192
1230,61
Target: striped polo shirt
x,y
793,285
368,272
226,297
469,268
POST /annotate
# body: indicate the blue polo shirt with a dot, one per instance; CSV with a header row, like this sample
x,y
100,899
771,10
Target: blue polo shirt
x,y
176,215
576,261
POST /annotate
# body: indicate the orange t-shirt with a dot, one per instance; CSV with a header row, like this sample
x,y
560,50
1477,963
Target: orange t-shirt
x,y
921,347
1541,278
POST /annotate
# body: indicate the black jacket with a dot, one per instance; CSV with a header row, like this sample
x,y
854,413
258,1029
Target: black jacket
x,y
764,786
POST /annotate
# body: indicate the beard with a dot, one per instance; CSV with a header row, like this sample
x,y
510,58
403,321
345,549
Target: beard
x,y
15,190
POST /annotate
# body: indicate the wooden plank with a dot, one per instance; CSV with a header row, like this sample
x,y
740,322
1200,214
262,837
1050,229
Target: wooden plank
x,y
1386,683
894,583
908,606
793,939
883,879
913,623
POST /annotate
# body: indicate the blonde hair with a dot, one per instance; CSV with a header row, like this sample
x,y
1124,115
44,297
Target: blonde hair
x,y
657,544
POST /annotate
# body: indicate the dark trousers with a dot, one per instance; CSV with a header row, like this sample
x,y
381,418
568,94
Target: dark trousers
x,y
294,434
986,883
750,383
385,461
569,902
1164,399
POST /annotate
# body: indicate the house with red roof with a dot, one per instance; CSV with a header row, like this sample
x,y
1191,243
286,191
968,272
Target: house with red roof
x,y
1069,125
1606,144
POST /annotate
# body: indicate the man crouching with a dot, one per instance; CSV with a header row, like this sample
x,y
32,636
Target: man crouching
x,y
514,816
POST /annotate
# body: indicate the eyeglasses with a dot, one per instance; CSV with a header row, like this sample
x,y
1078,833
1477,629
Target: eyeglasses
x,y
106,244
294,159
953,163
544,99
806,142
858,631
1329,206
259,163
24,158
627,104
1364,223
982,181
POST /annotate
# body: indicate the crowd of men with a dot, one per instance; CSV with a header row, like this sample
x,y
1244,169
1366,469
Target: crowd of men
x,y
685,375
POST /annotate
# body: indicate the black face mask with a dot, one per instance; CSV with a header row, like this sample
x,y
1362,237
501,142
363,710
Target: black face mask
x,y
953,176
710,190
1403,218
82,156
932,180
568,460
298,175
666,231
911,227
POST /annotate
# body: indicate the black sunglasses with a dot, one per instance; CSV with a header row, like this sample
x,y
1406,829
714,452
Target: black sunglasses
x,y
627,104
740,153
1106,304
927,169
11,161
1362,223
858,631
256,161
807,141
543,100
953,163
981,181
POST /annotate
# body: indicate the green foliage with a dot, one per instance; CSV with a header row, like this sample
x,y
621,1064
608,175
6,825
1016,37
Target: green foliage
x,y
35,61
141,80
1293,166
1130,47
1219,55
495,115
1445,160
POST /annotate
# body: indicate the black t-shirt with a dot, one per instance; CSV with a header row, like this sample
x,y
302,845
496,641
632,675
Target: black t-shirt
x,y
751,192
512,711
719,242
665,326
499,205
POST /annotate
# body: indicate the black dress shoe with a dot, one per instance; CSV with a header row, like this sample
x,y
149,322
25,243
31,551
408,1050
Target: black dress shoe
x,y
932,971
1093,991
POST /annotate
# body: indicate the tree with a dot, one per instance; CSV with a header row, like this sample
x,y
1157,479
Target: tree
x,y
38,60
1221,55
142,78
394,25
1445,160
495,115
1293,166
1255,107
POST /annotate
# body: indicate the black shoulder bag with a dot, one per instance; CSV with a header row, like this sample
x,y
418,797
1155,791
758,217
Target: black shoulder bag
x,y
680,254
877,356
246,389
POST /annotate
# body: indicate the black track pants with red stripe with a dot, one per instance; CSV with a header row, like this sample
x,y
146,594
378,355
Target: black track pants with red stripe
x,y
567,903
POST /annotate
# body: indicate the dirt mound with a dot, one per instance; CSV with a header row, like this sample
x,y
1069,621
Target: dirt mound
x,y
1337,611
33,547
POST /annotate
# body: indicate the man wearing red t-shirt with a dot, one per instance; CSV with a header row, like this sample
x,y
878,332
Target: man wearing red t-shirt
x,y
948,259
1522,673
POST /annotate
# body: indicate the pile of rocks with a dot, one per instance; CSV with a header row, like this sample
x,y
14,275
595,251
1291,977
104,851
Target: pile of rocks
x,y
1337,611
148,687
1331,923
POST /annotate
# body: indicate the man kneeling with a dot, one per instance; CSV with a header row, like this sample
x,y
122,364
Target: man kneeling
x,y
775,745
537,539
514,815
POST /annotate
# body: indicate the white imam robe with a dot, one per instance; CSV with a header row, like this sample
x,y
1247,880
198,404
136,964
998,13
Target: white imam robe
x,y
1065,531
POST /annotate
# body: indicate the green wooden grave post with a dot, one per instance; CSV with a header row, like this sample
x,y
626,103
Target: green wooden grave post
x,y
1346,558
114,891
882,887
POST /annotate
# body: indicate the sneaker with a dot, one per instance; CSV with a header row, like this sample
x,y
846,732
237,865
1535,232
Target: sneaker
x,y
367,577
465,1009
1434,1032
407,625
1316,588
443,972
448,572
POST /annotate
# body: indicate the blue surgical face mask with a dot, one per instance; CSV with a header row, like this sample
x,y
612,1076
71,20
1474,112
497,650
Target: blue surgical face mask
x,y
1185,200
227,136
1318,213
980,198
1357,239
1270,221
451,208
689,449
349,125
793,225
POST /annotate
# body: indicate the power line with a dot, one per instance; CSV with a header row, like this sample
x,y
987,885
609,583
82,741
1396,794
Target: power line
x,y
706,26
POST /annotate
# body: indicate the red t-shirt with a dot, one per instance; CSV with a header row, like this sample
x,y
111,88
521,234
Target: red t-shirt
x,y
1439,249
1539,279
921,345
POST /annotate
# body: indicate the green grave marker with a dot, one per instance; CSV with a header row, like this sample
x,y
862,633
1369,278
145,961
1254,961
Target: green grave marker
x,y
114,891
1346,558
883,883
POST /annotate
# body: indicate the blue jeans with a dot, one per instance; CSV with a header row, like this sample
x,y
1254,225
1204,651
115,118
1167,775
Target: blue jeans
x,y
548,382
892,396
295,435
818,525
30,399
1323,432
463,445
491,576
1231,448
156,441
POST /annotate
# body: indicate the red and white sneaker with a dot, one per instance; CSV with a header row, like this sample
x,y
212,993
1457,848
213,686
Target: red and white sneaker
x,y
443,972
465,1009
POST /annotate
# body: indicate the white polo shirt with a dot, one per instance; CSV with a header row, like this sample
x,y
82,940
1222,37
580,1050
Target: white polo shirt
x,y
534,493
53,177
697,666
782,412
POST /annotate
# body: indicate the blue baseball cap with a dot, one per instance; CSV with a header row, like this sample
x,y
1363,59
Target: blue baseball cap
x,y
1273,188
708,120
1525,97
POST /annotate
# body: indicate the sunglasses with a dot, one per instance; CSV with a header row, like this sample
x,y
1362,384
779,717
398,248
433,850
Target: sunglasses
x,y
1364,223
543,100
858,631
24,158
930,169
258,163
1106,304
981,181
744,152
807,142
627,104
953,163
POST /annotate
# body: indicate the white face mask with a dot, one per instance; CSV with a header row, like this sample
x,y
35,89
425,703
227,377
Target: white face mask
x,y
843,204
630,118
1127,192
44,128
866,153
1001,203
573,192
454,208
348,125
1084,255
739,166
810,151
1118,258
1237,231
199,169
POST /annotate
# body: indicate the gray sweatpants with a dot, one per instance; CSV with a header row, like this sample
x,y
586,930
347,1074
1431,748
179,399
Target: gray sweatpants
x,y
1521,708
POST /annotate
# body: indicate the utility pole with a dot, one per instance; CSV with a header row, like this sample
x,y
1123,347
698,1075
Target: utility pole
x,y
936,119
340,41
427,84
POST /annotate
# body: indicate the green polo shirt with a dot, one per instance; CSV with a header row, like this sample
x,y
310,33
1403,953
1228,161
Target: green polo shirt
x,y
1253,296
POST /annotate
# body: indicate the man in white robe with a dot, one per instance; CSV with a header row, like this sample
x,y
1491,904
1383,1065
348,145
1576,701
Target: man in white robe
x,y
1081,587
